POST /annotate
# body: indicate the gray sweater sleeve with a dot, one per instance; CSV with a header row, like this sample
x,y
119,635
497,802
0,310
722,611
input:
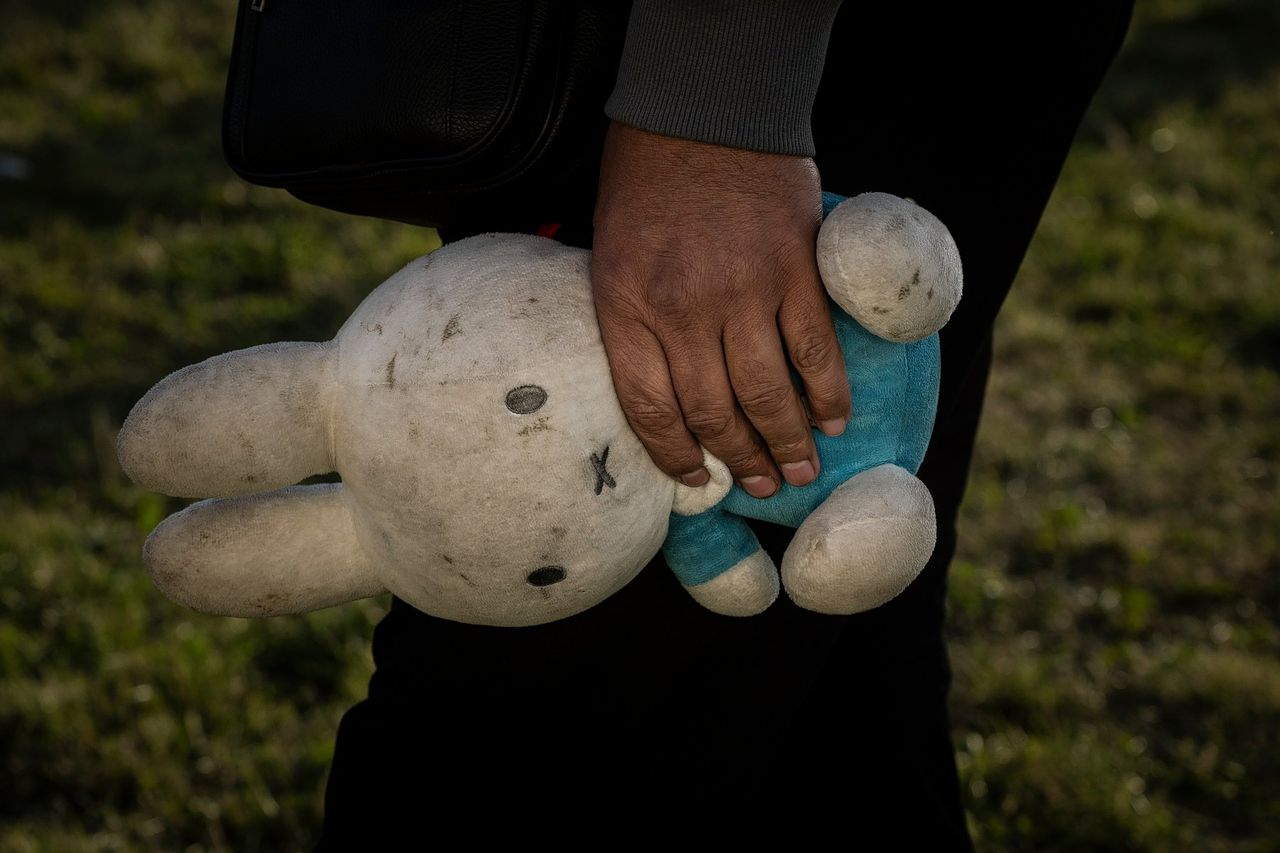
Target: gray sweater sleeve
x,y
742,73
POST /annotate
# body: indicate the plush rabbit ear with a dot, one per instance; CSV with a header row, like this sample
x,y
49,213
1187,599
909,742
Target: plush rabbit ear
x,y
246,421
289,551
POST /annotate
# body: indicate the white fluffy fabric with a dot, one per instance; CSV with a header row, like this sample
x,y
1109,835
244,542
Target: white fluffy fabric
x,y
691,501
890,264
863,545
235,424
744,590
289,551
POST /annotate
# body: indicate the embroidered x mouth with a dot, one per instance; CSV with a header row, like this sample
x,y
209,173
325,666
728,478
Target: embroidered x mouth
x,y
603,477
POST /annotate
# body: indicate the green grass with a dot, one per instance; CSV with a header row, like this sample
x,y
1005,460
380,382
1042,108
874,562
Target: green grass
x,y
1113,608
1114,604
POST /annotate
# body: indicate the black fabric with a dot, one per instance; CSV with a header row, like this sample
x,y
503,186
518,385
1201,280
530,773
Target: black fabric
x,y
426,111
648,712
742,74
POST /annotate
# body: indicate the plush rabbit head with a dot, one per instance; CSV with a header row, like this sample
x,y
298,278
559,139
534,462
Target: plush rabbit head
x,y
488,473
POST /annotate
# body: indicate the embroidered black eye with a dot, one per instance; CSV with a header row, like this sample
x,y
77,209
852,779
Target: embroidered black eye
x,y
546,576
525,399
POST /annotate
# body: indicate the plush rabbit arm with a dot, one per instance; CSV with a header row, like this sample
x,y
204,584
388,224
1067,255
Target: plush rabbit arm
x,y
289,551
890,264
243,422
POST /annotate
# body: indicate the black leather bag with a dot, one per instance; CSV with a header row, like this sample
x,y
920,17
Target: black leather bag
x,y
424,111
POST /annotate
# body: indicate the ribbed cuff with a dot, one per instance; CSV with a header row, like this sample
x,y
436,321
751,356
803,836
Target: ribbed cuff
x,y
742,73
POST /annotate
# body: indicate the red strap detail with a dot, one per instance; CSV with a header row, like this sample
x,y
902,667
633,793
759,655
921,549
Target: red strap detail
x,y
548,229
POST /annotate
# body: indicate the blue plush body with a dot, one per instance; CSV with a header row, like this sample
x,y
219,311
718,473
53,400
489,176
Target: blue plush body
x,y
895,400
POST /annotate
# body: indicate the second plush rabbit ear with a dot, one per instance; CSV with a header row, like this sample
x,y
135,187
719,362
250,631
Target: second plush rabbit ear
x,y
246,421
289,551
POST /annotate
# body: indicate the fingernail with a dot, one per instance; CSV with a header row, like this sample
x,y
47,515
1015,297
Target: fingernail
x,y
833,427
695,478
759,487
798,473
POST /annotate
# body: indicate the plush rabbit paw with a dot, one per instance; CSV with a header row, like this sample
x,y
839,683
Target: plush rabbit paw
x,y
891,264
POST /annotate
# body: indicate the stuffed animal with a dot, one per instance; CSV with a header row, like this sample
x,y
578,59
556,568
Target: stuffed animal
x,y
488,474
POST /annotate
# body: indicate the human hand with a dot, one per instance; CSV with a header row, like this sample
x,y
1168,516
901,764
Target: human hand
x,y
705,281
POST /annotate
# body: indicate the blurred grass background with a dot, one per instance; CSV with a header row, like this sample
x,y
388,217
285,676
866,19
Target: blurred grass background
x,y
1113,609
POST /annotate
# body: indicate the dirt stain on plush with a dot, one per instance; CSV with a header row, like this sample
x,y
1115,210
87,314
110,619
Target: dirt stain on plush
x,y
391,371
540,425
450,329
905,290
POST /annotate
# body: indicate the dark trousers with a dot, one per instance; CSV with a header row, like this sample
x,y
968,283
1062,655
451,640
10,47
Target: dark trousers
x,y
648,711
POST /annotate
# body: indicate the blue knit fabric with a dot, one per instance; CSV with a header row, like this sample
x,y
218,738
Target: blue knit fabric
x,y
895,399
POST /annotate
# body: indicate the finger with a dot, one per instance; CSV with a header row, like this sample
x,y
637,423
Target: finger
x,y
805,322
762,384
643,384
710,411
808,413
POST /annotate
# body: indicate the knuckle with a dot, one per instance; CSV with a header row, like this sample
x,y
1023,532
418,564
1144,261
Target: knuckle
x,y
614,270
766,401
674,463
712,424
611,266
671,284
652,416
743,462
620,331
618,308
829,403
686,463
671,295
790,448
740,275
813,352
787,256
